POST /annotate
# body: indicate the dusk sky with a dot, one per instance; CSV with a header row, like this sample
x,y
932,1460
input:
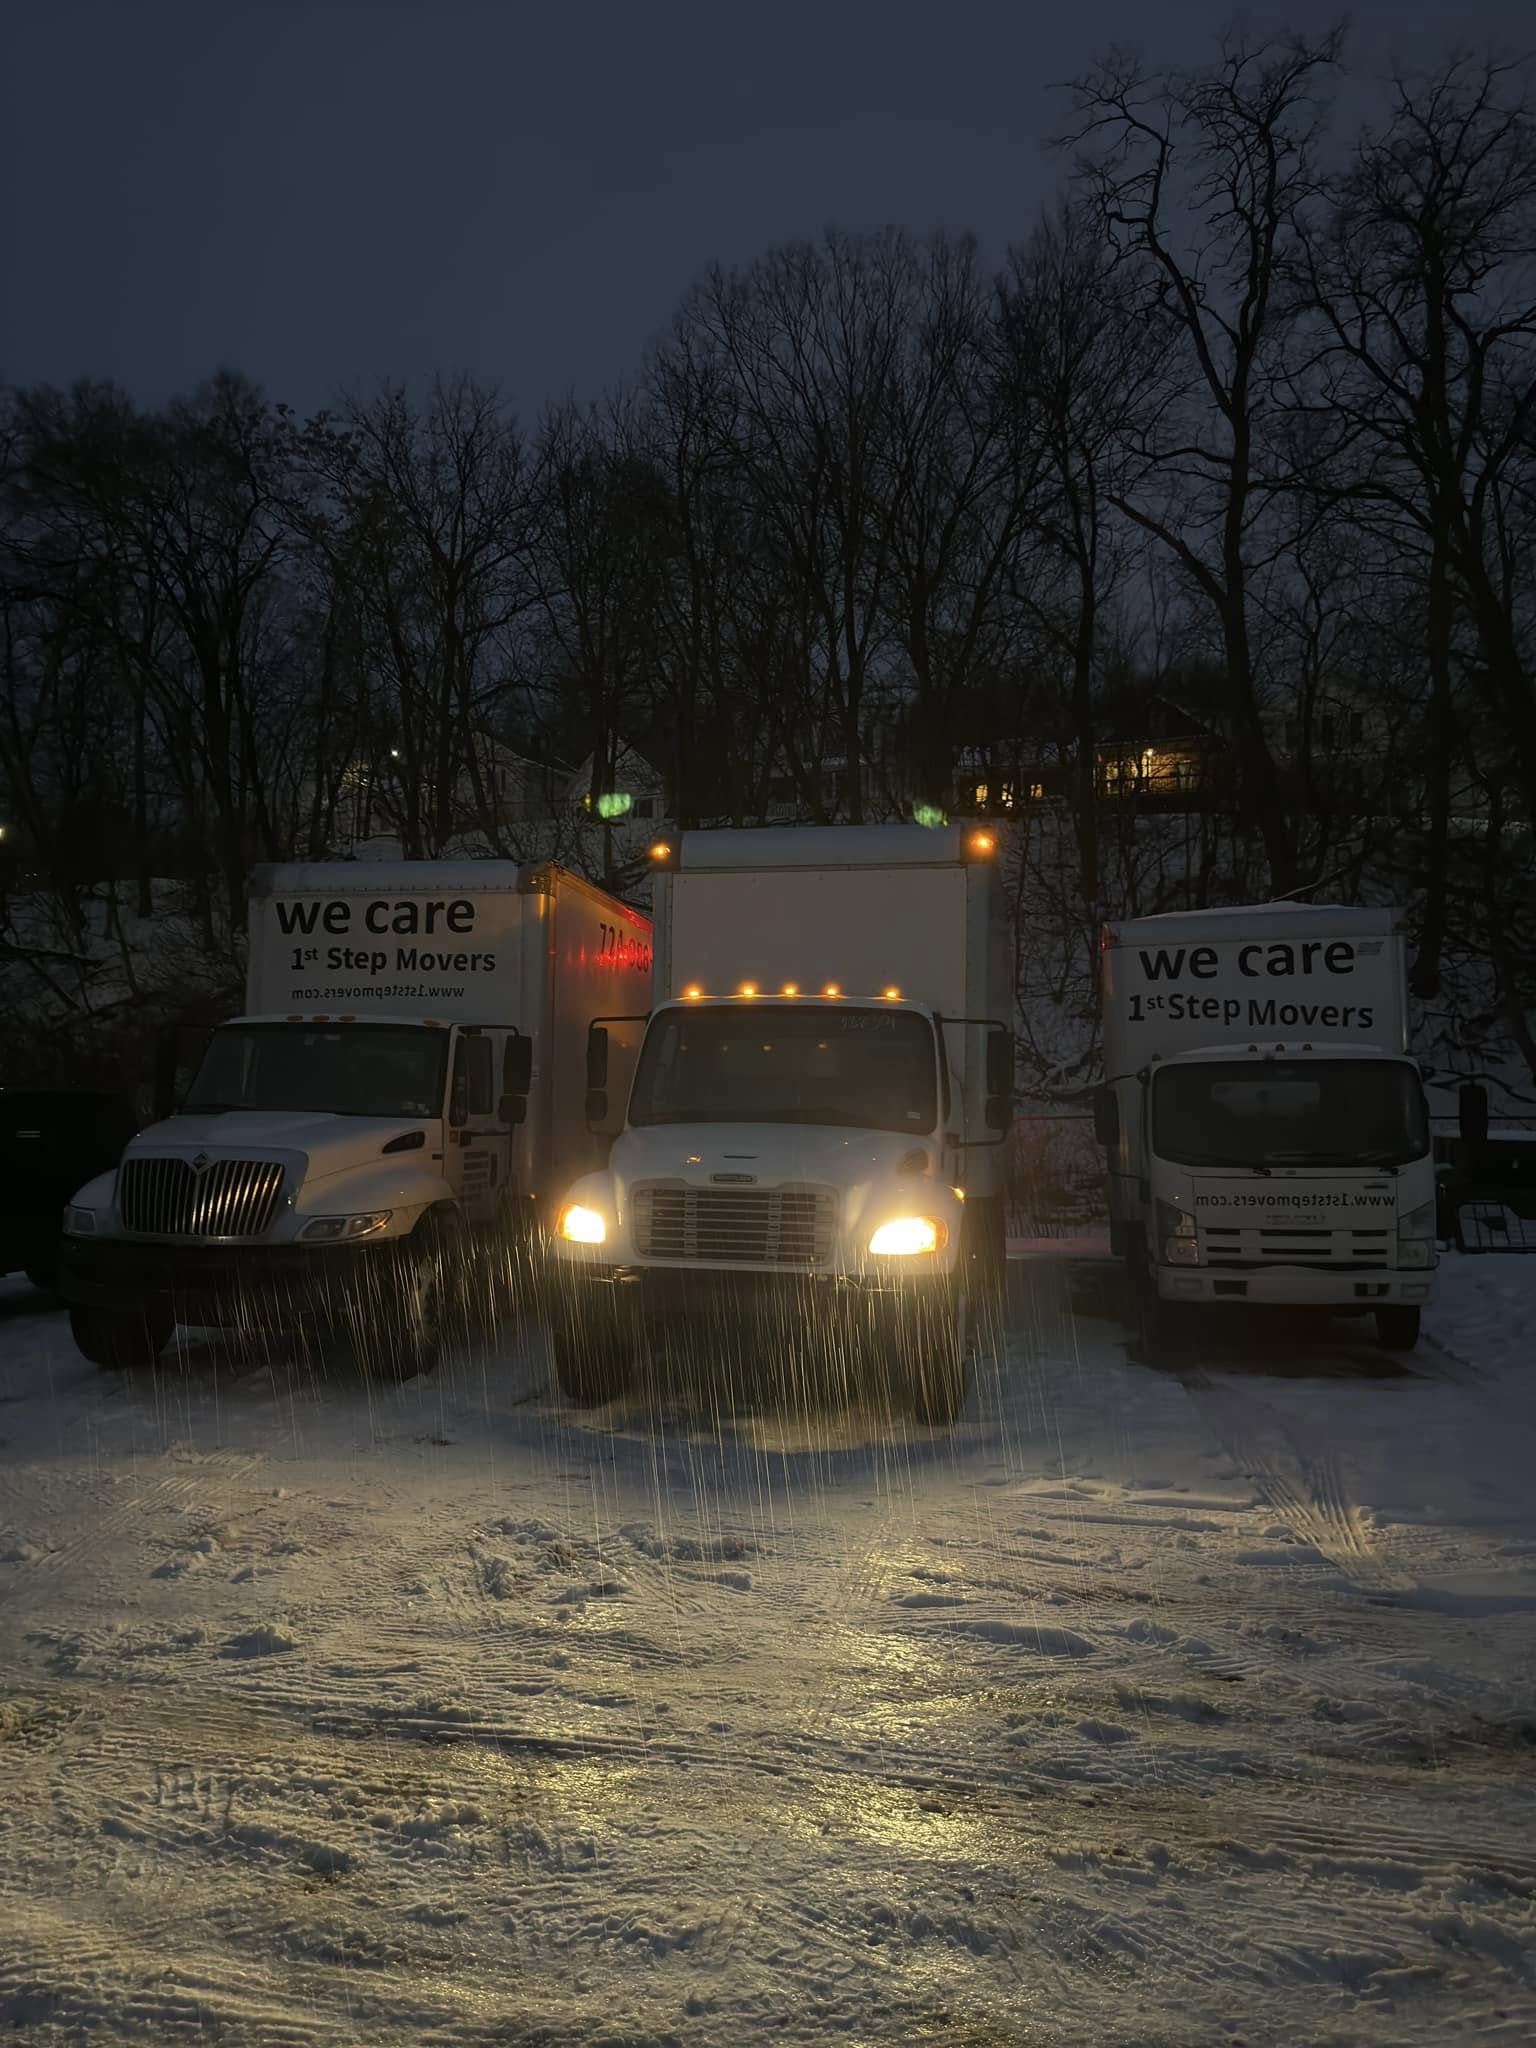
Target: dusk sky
x,y
323,194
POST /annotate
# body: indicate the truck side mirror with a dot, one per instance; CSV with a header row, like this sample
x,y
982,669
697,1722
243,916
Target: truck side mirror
x,y
597,1056
997,1112
597,1107
517,1066
1472,1113
512,1110
1106,1118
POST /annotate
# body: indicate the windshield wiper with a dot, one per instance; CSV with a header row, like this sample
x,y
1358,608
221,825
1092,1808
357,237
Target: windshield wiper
x,y
1387,1161
1202,1158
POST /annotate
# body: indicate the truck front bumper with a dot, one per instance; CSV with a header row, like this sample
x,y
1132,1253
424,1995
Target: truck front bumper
x,y
223,1284
1297,1286
631,1297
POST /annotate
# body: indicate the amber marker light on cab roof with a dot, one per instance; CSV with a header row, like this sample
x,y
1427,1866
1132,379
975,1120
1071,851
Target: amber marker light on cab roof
x,y
892,995
832,989
791,988
692,992
748,988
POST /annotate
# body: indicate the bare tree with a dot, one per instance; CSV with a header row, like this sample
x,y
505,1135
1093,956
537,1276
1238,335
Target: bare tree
x,y
1422,283
1082,363
814,337
1204,174
426,526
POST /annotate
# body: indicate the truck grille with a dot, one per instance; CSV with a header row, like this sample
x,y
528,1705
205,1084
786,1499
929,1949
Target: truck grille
x,y
1282,1244
735,1226
229,1198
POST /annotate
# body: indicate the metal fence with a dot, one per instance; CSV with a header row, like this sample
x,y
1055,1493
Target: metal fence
x,y
1490,1226
1487,1191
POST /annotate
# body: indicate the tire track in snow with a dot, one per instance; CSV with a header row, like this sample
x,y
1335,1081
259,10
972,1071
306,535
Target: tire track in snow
x,y
857,1589
101,1533
1300,1481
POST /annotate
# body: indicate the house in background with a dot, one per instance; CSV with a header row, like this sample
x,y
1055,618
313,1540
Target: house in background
x,y
637,792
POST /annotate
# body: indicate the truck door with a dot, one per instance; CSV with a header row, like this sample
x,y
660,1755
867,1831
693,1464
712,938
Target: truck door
x,y
479,1145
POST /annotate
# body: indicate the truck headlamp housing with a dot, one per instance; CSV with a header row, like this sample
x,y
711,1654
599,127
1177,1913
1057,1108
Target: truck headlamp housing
x,y
335,1229
906,1237
1416,1237
1177,1235
582,1226
79,1222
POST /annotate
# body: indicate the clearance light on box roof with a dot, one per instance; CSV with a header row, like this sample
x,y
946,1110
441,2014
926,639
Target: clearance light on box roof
x,y
692,992
893,995
981,844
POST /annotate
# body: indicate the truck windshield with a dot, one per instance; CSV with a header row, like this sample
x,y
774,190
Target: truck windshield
x,y
1296,1113
874,1070
339,1069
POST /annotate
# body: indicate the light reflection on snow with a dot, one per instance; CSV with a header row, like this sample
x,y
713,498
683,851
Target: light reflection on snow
x,y
822,1757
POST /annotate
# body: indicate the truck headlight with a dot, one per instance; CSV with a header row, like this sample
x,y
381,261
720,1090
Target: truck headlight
x,y
331,1229
1416,1237
582,1226
79,1222
906,1236
1178,1235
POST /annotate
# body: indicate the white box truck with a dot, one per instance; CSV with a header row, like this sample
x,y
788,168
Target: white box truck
x,y
409,1075
1267,1134
813,1135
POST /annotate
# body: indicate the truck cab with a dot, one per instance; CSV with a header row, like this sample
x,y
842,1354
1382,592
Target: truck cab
x,y
312,1159
403,1092
1246,1169
797,1151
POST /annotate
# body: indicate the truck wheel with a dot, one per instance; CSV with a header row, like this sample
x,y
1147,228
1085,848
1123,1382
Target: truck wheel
x,y
1151,1317
1397,1329
941,1364
593,1368
120,1339
420,1308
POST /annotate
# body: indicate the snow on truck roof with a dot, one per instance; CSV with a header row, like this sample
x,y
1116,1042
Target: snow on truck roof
x,y
1237,920
830,846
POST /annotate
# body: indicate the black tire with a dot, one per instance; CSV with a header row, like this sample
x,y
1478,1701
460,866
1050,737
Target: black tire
x,y
941,1360
592,1367
1151,1317
1397,1328
119,1340
407,1341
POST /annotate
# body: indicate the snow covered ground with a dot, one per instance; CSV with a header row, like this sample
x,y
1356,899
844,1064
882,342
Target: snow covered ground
x,y
1153,1707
